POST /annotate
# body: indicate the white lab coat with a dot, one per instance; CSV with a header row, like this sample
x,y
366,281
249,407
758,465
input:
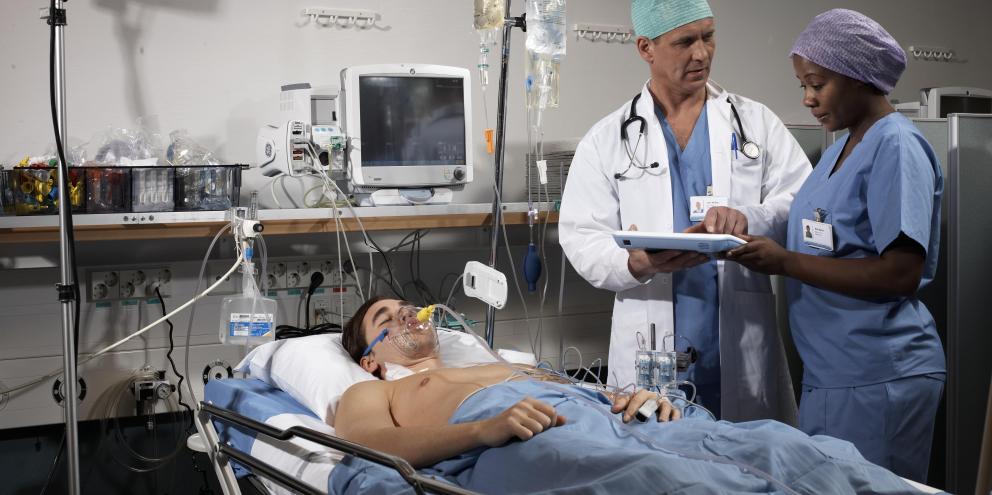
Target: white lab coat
x,y
754,373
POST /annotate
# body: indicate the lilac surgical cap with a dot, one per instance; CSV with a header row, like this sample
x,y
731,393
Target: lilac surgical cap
x,y
850,43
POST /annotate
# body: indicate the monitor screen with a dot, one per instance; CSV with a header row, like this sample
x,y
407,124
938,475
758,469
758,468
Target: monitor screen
x,y
412,120
964,104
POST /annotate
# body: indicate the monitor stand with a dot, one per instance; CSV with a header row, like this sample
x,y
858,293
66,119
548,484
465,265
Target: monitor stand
x,y
405,197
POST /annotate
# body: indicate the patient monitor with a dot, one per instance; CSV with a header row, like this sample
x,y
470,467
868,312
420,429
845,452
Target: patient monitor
x,y
409,129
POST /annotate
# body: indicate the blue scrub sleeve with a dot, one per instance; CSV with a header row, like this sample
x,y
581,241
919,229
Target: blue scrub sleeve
x,y
901,191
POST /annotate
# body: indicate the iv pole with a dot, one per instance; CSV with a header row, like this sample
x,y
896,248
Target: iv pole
x,y
66,289
508,24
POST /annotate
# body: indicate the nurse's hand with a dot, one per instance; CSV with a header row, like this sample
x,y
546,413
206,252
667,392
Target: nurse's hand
x,y
629,404
760,254
721,220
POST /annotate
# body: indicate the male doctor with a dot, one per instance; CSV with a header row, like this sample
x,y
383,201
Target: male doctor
x,y
684,139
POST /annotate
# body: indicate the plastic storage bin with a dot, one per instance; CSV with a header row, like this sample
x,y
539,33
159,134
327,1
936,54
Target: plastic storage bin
x,y
108,189
34,191
207,187
153,189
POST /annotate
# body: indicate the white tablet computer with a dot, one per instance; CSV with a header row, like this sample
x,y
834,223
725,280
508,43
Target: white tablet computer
x,y
654,241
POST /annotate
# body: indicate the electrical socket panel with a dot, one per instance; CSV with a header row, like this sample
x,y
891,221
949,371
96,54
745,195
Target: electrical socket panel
x,y
104,285
299,274
276,272
141,283
329,268
137,283
295,274
327,302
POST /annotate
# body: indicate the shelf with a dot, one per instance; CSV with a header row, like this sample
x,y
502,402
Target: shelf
x,y
178,225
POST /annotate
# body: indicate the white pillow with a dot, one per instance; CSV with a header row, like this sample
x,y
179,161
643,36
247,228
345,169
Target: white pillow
x,y
316,370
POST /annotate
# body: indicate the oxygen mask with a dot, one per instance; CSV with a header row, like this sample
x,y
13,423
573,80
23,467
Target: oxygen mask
x,y
411,333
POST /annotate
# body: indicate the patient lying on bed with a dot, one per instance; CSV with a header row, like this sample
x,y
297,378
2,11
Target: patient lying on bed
x,y
498,429
410,417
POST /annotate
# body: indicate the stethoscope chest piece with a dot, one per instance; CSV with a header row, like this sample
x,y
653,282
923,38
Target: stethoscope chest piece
x,y
750,150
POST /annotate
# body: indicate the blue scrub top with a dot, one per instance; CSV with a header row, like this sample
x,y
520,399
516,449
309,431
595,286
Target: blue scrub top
x,y
695,291
889,185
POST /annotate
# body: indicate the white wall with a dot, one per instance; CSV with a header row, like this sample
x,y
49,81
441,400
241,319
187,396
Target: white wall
x,y
215,66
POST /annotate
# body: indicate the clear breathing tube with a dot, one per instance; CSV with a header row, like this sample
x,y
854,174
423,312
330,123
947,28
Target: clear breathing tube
x,y
468,329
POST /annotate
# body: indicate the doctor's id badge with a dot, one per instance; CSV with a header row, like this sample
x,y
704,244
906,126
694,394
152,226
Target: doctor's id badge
x,y
818,235
699,205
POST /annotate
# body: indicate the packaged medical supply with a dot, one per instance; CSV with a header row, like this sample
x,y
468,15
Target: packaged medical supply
x,y
247,318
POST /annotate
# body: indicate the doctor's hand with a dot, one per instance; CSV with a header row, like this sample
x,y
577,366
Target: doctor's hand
x,y
522,420
760,254
643,264
629,404
721,220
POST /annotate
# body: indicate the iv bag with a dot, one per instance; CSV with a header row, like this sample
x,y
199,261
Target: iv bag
x,y
489,14
546,28
542,81
248,318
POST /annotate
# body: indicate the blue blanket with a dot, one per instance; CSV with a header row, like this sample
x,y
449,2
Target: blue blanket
x,y
596,453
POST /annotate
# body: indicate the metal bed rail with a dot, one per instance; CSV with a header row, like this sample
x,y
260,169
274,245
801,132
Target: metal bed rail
x,y
420,483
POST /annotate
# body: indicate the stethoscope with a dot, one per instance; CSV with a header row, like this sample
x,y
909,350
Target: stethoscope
x,y
747,147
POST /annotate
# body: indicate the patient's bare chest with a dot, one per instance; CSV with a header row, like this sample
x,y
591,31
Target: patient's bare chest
x,y
430,398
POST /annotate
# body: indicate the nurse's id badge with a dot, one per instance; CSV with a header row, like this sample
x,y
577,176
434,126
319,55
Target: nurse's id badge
x,y
818,235
699,205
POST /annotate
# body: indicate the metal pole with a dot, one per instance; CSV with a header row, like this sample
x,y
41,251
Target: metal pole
x,y
508,26
69,379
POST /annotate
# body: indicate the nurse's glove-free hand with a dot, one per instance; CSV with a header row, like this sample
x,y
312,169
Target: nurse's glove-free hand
x,y
761,254
522,420
630,404
721,220
642,264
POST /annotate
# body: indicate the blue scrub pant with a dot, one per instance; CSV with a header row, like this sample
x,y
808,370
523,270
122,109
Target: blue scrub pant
x,y
891,423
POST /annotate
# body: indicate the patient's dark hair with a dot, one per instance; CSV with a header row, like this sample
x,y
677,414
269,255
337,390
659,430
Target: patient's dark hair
x,y
352,336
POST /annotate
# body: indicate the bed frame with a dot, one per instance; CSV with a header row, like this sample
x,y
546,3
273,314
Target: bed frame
x,y
221,454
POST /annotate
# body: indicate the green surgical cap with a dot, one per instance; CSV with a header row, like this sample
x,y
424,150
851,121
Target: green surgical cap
x,y
653,18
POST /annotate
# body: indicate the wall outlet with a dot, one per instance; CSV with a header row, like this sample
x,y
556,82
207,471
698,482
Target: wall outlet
x,y
104,285
276,273
163,280
299,274
329,268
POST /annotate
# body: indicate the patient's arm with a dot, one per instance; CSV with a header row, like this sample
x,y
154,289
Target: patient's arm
x,y
363,416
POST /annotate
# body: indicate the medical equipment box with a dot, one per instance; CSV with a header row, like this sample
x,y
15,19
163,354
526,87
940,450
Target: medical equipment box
x,y
30,191
34,191
207,187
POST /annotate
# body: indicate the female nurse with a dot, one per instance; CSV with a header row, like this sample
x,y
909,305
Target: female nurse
x,y
862,241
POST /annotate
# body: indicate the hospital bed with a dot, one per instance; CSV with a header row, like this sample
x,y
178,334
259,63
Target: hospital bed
x,y
250,428
255,429
292,451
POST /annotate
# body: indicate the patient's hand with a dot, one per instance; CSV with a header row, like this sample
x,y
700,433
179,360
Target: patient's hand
x,y
630,404
523,420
